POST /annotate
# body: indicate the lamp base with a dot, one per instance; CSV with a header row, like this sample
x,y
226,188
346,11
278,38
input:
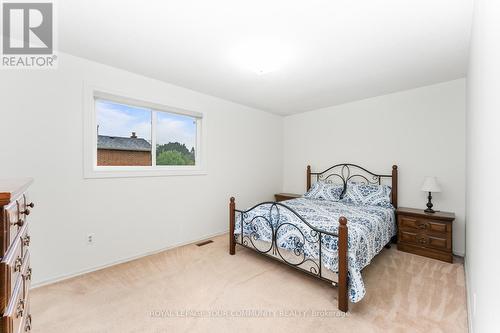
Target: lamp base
x,y
429,205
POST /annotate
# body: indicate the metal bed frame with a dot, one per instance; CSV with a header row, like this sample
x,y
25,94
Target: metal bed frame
x,y
339,173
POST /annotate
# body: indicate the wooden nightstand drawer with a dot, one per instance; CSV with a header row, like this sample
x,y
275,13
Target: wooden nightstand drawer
x,y
436,242
439,227
413,223
286,196
425,251
422,239
425,234
408,222
407,237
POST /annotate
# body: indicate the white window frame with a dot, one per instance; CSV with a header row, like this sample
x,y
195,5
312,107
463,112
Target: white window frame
x,y
92,170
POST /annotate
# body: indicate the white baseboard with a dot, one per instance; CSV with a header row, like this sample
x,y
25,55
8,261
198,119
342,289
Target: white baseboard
x,y
124,260
468,295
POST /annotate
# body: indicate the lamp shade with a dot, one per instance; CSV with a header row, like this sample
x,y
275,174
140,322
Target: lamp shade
x,y
431,185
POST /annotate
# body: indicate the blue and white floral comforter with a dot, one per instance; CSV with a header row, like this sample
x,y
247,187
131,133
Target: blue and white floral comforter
x,y
369,229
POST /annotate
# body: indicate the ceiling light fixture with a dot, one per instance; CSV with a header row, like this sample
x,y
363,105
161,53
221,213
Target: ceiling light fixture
x,y
262,57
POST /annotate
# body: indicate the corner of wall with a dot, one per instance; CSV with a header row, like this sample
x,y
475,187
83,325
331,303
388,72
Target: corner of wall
x,y
468,296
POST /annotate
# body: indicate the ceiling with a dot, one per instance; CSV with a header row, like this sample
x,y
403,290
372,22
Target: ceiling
x,y
315,53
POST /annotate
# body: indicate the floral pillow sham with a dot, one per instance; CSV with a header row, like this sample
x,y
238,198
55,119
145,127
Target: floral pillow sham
x,y
368,194
325,191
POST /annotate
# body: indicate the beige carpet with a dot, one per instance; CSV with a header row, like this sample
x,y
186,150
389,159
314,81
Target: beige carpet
x,y
250,293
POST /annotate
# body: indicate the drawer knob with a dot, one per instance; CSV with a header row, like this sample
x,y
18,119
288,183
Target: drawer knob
x,y
19,223
27,328
26,240
28,274
422,241
422,226
20,308
26,212
31,205
18,264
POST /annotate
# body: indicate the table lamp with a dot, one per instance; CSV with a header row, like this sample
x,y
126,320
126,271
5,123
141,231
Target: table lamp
x,y
430,185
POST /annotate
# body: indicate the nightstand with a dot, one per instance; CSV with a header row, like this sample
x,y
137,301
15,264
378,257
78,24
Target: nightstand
x,y
426,234
286,196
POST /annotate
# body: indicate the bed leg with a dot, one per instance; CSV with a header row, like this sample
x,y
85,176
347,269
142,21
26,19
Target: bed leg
x,y
232,243
308,178
342,253
394,239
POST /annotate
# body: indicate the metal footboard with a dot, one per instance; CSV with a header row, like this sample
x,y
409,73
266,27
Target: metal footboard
x,y
297,239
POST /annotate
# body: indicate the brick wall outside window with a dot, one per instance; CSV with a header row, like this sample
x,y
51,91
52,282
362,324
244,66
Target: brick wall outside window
x,y
108,157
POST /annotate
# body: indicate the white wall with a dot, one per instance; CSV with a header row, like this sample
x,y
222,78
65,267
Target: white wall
x,y
41,133
421,130
483,165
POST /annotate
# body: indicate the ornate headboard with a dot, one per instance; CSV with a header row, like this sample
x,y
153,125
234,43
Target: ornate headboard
x,y
342,173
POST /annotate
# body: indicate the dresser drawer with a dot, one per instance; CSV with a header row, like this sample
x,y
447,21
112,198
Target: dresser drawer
x,y
15,270
12,220
27,317
13,319
423,239
10,271
26,275
25,238
418,224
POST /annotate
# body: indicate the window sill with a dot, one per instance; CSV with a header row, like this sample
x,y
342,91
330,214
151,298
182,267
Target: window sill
x,y
128,172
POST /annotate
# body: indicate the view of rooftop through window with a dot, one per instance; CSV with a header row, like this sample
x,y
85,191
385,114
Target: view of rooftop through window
x,y
125,136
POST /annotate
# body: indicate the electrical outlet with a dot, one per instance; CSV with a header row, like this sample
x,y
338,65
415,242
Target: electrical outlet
x,y
90,239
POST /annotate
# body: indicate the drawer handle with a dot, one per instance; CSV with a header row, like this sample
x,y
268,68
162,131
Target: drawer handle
x,y
26,240
31,205
18,264
422,241
26,212
422,226
28,274
19,223
27,327
20,308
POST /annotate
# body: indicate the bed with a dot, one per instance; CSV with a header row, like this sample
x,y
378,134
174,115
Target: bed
x,y
333,240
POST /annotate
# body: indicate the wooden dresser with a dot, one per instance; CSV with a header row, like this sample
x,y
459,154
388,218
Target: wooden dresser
x,y
426,234
15,270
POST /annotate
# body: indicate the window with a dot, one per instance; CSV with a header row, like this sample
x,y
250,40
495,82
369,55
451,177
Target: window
x,y
123,134
136,138
175,139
